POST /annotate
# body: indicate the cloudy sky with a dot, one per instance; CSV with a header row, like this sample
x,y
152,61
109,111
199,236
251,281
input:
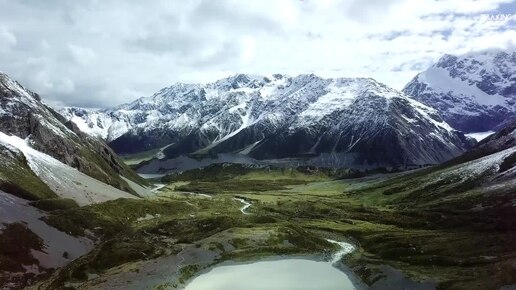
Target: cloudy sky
x,y
103,53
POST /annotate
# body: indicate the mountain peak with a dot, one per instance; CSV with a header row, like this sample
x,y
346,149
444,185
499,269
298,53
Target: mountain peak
x,y
475,92
279,116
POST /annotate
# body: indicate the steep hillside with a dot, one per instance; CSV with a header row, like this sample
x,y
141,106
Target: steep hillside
x,y
47,164
484,176
62,180
22,114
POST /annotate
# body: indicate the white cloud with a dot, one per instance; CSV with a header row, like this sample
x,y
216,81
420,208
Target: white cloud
x,y
82,55
7,39
102,53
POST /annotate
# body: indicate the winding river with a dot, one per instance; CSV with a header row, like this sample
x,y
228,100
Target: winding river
x,y
246,204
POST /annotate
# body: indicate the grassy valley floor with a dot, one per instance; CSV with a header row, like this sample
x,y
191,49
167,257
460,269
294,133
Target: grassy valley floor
x,y
195,222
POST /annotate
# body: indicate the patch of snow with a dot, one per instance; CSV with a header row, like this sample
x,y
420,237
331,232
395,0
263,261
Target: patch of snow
x,y
65,181
425,111
24,96
440,80
160,154
14,209
478,167
479,136
338,98
247,121
81,124
59,129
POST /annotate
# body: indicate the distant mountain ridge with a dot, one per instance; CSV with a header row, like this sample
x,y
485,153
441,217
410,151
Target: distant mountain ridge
x,y
358,120
475,92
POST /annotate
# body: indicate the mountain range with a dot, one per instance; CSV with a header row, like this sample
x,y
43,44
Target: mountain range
x,y
452,224
350,122
69,201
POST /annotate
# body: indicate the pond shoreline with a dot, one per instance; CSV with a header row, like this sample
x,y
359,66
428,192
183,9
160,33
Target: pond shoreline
x,y
309,263
335,260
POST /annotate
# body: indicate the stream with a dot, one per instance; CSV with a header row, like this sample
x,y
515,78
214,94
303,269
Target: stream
x,y
246,204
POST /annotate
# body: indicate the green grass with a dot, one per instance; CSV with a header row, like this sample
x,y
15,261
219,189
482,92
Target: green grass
x,y
109,218
116,252
223,172
16,242
190,230
102,167
17,178
428,229
188,272
54,204
236,186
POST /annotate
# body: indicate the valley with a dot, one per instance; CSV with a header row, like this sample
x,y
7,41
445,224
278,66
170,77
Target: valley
x,y
345,178
455,236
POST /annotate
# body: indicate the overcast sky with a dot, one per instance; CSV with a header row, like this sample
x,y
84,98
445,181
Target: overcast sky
x,y
103,53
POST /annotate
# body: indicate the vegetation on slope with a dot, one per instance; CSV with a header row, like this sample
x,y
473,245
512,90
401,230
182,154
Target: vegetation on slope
x,y
17,178
456,231
17,242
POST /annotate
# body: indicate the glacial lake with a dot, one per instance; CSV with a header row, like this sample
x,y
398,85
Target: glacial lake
x,y
284,274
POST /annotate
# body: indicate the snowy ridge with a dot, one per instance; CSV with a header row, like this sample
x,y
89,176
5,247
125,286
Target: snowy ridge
x,y
475,92
21,100
97,124
24,96
475,169
65,181
248,100
275,117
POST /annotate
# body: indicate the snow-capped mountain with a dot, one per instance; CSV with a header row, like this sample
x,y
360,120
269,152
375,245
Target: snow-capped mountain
x,y
357,121
475,92
43,155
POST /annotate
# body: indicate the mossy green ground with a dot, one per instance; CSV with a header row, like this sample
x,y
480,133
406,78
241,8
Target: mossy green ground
x,y
54,204
135,159
16,243
17,178
442,236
